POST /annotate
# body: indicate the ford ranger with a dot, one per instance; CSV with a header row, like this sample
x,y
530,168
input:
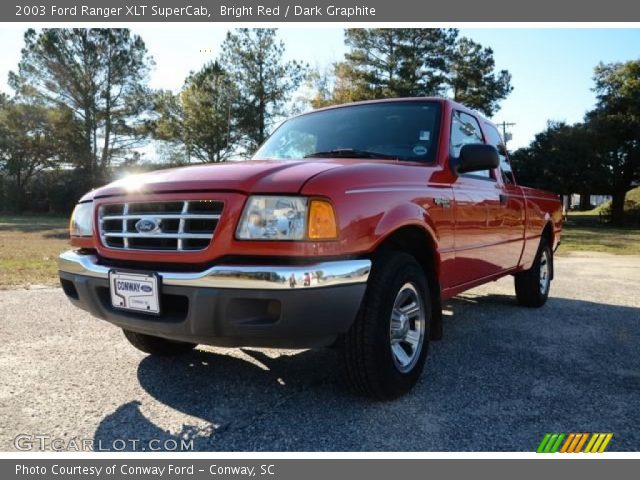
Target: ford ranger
x,y
349,228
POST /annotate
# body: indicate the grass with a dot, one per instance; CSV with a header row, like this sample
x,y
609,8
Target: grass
x,y
584,232
29,247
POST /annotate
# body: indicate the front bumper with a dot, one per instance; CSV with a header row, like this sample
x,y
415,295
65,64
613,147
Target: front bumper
x,y
285,306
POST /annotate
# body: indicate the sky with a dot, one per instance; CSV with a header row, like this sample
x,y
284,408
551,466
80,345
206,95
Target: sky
x,y
551,69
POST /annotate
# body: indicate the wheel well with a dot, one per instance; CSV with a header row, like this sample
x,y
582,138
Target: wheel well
x,y
547,233
417,242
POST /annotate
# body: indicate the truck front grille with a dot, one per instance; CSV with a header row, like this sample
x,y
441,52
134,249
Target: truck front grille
x,y
163,226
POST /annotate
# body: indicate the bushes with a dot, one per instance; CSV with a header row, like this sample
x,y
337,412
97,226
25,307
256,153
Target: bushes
x,y
631,208
57,191
48,192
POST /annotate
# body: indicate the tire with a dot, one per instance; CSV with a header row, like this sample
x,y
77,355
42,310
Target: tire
x,y
533,285
374,365
156,345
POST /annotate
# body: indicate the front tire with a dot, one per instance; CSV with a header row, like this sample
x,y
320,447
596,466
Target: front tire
x,y
533,285
156,345
385,349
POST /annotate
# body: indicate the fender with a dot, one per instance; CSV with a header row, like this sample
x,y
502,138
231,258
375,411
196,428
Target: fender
x,y
405,215
410,215
532,243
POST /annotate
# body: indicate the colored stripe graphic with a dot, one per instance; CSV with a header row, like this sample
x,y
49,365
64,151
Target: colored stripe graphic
x,y
606,442
582,442
593,439
596,446
574,442
568,442
551,443
543,444
556,445
578,441
599,443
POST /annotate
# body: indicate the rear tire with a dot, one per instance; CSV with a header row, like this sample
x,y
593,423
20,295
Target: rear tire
x,y
533,285
385,349
156,345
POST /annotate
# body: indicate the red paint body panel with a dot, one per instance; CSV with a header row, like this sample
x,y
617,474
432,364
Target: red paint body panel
x,y
250,176
480,229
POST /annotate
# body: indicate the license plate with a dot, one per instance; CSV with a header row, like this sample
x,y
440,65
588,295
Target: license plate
x,y
135,291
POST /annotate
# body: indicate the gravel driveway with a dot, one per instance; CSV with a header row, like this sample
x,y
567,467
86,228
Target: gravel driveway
x,y
501,377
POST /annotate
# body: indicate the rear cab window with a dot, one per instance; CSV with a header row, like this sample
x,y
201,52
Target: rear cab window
x,y
494,138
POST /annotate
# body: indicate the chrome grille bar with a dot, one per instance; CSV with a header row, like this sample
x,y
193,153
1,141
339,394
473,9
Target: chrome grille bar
x,y
165,216
202,236
125,211
178,225
185,208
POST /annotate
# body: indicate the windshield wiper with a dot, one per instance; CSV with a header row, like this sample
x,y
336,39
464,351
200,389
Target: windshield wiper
x,y
350,153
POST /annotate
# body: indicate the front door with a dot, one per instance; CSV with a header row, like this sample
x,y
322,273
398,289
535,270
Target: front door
x,y
480,208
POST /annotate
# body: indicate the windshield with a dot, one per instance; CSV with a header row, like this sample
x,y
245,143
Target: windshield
x,y
399,130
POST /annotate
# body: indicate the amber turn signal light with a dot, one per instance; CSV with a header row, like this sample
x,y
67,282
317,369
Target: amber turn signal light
x,y
322,221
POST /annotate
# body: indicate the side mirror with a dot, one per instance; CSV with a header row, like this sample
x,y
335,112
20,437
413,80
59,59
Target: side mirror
x,y
474,157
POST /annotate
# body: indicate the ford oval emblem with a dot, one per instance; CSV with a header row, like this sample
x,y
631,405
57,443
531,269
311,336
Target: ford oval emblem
x,y
148,225
146,288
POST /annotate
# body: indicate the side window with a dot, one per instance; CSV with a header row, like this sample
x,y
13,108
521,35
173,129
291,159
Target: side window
x,y
494,138
465,129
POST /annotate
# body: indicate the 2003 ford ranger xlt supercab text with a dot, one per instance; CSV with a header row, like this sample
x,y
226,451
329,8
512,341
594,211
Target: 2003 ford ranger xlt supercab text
x,y
348,228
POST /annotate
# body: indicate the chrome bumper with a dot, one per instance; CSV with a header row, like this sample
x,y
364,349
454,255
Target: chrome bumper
x,y
271,277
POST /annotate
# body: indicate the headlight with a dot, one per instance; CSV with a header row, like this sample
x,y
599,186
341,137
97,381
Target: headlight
x,y
81,224
286,218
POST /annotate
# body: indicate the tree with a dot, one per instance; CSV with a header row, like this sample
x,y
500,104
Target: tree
x,y
397,61
33,138
333,87
101,76
472,80
388,62
405,62
253,59
616,120
600,155
561,159
199,118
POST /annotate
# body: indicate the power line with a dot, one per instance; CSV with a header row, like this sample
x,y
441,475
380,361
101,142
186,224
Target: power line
x,y
504,126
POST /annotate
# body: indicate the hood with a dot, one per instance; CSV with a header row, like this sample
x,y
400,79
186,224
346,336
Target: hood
x,y
254,176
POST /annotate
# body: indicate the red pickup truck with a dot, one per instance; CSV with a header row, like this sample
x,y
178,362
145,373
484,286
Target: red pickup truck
x,y
349,228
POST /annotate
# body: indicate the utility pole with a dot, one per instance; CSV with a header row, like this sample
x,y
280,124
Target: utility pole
x,y
504,126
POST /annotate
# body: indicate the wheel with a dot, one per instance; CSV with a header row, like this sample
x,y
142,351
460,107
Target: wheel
x,y
156,345
533,285
385,349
